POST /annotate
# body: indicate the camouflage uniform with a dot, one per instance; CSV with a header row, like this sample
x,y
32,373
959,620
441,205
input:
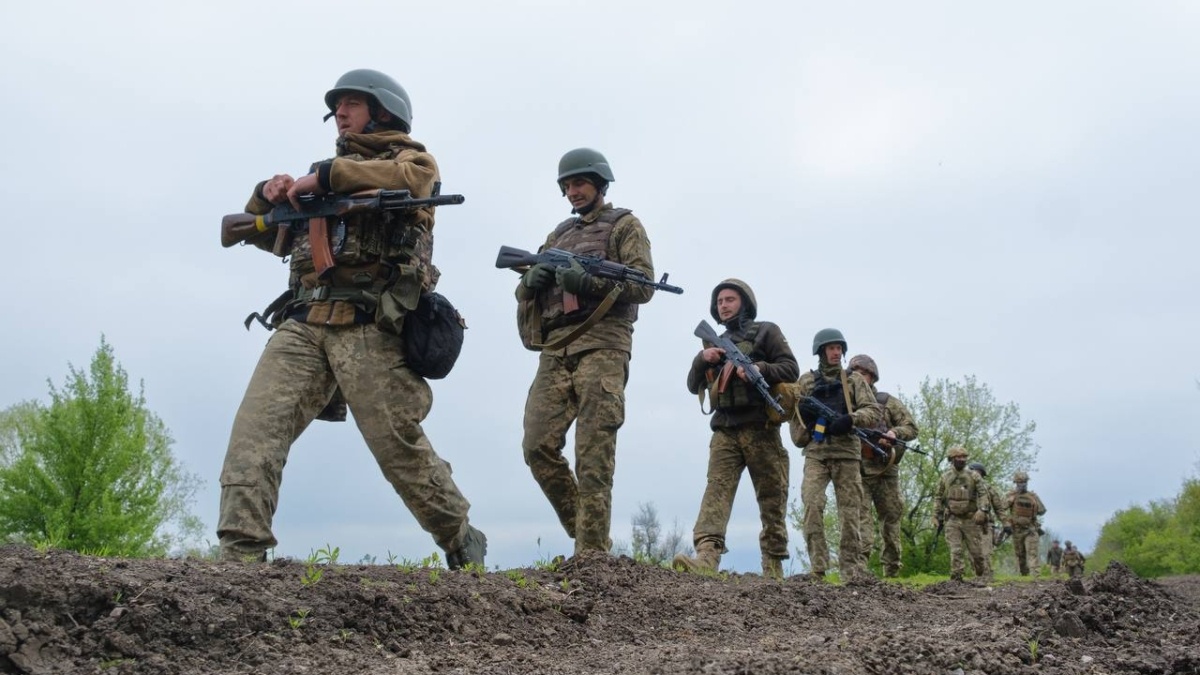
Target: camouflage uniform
x,y
1073,561
992,504
881,486
583,382
1054,557
744,438
1022,509
956,504
323,344
835,459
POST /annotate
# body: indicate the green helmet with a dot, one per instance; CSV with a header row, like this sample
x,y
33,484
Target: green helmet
x,y
584,161
1020,477
827,336
749,303
386,91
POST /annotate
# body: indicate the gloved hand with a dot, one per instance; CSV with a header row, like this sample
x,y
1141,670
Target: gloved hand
x,y
573,279
539,276
980,517
808,417
842,424
1008,529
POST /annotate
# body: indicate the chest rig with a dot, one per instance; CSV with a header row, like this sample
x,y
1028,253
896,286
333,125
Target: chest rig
x,y
584,238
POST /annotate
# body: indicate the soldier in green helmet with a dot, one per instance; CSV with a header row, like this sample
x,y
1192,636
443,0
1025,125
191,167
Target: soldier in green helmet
x,y
584,331
959,505
832,453
327,336
744,436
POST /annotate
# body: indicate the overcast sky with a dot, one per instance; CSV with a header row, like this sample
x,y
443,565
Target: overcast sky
x,y
1004,190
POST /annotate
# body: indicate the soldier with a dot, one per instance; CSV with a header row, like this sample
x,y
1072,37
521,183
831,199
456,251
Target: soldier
x,y
329,335
881,476
957,507
585,340
744,437
1022,509
1073,561
993,505
832,452
1054,557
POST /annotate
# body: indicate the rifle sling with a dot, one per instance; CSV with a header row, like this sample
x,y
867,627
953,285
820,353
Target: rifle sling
x,y
578,331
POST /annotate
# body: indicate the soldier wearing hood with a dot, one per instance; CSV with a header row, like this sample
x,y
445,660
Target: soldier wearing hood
x,y
744,437
329,335
1022,510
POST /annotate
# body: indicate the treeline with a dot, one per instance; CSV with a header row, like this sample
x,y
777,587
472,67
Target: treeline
x,y
1157,540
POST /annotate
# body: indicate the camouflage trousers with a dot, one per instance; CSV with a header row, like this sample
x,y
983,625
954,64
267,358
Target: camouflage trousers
x,y
986,544
759,451
882,490
1025,540
845,474
587,390
295,377
962,531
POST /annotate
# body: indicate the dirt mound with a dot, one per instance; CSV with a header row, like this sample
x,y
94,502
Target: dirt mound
x,y
64,613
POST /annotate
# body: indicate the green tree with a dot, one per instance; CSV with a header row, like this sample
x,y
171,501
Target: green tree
x,y
93,470
962,413
1156,540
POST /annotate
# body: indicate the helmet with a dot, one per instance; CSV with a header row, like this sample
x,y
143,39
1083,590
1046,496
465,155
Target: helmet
x,y
827,336
978,468
1020,477
584,161
749,304
1069,544
957,451
387,92
864,362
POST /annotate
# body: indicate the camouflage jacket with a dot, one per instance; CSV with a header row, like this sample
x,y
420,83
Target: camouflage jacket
x,y
1017,516
898,420
865,411
771,354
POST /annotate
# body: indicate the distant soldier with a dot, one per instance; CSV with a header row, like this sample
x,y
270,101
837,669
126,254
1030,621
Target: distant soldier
x,y
956,504
881,476
1073,561
991,503
1022,509
832,453
1054,557
744,437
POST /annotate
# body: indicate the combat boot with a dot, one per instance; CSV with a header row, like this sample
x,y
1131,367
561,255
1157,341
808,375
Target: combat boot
x,y
708,559
472,551
772,567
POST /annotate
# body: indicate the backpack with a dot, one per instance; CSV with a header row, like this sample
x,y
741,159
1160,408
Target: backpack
x,y
433,336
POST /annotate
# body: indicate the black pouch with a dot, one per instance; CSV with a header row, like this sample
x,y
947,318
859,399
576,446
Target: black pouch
x,y
433,336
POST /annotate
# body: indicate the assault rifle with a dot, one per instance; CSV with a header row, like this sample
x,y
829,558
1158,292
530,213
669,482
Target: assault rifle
x,y
314,209
512,258
876,435
827,413
734,355
1000,537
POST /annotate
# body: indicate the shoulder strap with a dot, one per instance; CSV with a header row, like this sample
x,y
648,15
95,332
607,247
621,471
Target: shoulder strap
x,y
845,390
605,305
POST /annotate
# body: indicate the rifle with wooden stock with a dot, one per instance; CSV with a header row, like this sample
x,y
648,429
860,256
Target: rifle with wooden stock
x,y
314,209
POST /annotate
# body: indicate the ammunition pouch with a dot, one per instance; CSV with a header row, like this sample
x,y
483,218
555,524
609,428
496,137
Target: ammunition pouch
x,y
788,395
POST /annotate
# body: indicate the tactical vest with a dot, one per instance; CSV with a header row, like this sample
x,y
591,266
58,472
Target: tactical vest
x,y
362,241
829,392
737,393
961,494
1024,509
869,454
584,239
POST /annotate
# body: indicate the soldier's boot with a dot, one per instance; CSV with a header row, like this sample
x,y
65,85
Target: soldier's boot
x,y
708,559
772,567
231,554
472,550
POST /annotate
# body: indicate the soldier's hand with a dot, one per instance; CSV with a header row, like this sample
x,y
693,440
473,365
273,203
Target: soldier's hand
x,y
980,517
573,279
303,186
886,439
539,276
842,424
275,190
712,354
1007,529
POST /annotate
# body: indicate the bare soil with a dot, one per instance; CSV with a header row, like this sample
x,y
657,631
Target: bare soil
x,y
65,613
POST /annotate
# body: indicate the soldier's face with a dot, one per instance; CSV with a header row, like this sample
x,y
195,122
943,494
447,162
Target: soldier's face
x,y
580,192
959,463
352,114
729,303
1021,487
833,353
